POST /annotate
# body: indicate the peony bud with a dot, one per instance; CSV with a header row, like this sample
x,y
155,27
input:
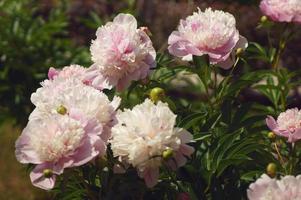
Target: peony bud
x,y
263,19
271,169
61,110
167,154
157,94
239,52
271,135
47,173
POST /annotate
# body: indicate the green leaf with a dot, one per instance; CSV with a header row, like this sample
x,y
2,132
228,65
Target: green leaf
x,y
192,120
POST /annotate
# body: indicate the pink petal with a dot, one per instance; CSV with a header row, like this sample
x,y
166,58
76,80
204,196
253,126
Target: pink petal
x,y
24,151
38,179
297,134
126,19
151,176
271,123
180,159
184,135
52,72
88,150
186,149
227,64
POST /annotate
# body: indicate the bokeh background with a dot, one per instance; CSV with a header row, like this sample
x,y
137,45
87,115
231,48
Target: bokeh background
x,y
38,34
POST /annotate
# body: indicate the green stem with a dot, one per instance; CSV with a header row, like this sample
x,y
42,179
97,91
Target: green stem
x,y
227,79
215,80
86,185
280,48
292,159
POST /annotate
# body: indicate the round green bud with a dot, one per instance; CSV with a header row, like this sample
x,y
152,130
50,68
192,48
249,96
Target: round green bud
x,y
47,173
263,19
271,135
239,52
157,94
271,169
61,110
167,154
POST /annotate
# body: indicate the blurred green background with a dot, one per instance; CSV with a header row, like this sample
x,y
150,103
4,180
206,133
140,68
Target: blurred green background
x,y
36,35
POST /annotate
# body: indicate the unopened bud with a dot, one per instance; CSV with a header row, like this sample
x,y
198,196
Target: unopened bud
x,y
47,173
271,169
282,45
61,110
239,52
263,19
157,94
167,154
271,135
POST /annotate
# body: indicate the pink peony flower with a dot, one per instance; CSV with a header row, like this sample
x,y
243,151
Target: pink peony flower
x,y
77,98
70,125
57,142
121,53
288,124
282,10
143,134
289,187
211,33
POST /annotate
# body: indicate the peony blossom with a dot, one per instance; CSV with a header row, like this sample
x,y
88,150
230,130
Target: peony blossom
x,y
288,124
67,72
76,97
70,125
265,188
211,33
56,142
143,134
121,53
282,10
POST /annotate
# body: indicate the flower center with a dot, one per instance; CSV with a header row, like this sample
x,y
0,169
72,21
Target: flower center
x,y
59,142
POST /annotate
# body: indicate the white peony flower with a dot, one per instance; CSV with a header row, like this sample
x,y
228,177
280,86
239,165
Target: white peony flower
x,y
142,134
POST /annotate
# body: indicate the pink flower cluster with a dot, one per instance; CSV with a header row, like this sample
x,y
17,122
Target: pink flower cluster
x,y
74,120
282,10
289,187
211,33
69,126
288,124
